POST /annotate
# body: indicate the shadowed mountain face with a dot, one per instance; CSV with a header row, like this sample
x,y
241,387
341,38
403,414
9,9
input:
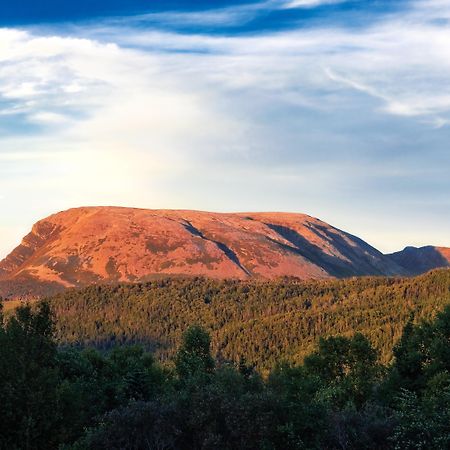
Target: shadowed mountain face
x,y
86,246
419,260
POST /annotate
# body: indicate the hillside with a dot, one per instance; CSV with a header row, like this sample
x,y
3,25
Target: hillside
x,y
419,260
263,321
338,397
85,246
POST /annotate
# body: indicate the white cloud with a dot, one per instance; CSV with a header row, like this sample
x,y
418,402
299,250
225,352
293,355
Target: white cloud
x,y
226,16
150,118
403,62
309,3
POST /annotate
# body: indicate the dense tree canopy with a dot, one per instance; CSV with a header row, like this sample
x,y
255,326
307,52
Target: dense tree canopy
x,y
341,397
263,322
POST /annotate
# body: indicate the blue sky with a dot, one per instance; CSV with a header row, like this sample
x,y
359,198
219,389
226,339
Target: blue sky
x,y
277,13
339,109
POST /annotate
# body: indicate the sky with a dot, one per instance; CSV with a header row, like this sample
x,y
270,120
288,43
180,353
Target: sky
x,y
337,109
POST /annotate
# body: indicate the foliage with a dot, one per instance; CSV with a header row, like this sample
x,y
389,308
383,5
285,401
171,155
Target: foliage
x,y
194,357
264,322
28,398
347,367
340,397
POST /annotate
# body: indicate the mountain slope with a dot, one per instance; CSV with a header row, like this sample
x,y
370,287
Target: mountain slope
x,y
91,245
419,260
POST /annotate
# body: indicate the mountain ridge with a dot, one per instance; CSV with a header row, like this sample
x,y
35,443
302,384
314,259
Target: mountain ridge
x,y
417,260
94,245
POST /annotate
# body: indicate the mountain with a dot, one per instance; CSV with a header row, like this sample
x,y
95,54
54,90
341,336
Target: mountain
x,y
92,245
419,260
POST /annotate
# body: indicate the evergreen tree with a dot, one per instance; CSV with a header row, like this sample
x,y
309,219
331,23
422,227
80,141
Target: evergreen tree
x,y
194,356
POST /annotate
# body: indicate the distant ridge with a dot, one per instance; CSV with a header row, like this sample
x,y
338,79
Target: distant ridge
x,y
419,260
92,245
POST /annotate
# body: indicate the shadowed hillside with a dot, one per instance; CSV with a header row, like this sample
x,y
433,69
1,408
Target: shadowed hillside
x,y
419,260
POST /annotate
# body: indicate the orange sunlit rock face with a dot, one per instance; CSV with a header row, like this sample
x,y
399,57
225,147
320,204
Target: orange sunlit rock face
x,y
91,245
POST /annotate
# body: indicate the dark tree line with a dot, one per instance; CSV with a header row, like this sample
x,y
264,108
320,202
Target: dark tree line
x,y
263,321
340,397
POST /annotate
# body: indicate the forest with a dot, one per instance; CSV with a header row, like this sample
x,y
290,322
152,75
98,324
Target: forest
x,y
263,322
340,397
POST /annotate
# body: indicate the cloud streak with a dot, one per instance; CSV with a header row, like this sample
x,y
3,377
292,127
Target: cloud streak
x,y
309,3
304,119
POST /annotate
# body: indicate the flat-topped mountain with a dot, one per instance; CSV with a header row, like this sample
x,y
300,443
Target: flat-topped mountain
x,y
91,245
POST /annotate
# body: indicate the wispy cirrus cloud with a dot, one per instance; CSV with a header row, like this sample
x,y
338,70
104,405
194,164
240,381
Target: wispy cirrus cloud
x,y
218,19
309,3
